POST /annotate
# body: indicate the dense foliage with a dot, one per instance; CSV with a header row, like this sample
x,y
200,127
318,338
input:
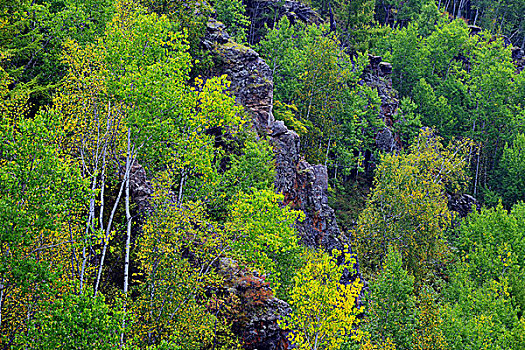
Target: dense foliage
x,y
318,83
96,95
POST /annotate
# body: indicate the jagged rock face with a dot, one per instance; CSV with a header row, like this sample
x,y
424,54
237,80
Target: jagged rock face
x,y
140,190
517,53
255,320
250,76
286,148
253,309
140,187
303,185
268,12
319,228
252,85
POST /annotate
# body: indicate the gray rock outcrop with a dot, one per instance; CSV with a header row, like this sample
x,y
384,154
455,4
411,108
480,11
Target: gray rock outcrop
x,y
250,76
462,204
140,188
303,185
252,310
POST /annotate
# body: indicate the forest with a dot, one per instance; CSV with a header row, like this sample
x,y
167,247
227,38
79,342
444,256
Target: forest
x,y
262,174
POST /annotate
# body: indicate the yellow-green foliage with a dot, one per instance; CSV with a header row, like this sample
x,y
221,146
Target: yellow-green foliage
x,y
13,102
286,113
519,335
56,165
485,291
408,206
176,253
391,305
324,311
429,335
334,113
479,316
41,205
232,14
368,344
190,17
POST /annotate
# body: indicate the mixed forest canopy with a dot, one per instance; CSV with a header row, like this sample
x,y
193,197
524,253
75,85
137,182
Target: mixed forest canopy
x,y
138,199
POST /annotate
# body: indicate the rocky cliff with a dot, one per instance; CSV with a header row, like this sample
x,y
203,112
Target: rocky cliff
x,y
303,185
252,309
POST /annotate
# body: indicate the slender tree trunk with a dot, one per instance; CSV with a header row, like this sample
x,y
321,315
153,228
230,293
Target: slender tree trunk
x,y
102,203
1,299
477,172
501,25
89,228
460,7
327,151
90,225
447,5
129,163
108,229
102,186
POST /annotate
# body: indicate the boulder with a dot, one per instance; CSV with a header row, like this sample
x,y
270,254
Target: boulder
x,y
385,68
462,203
474,30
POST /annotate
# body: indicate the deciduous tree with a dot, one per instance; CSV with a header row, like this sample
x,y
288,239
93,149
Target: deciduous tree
x,y
408,206
324,311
